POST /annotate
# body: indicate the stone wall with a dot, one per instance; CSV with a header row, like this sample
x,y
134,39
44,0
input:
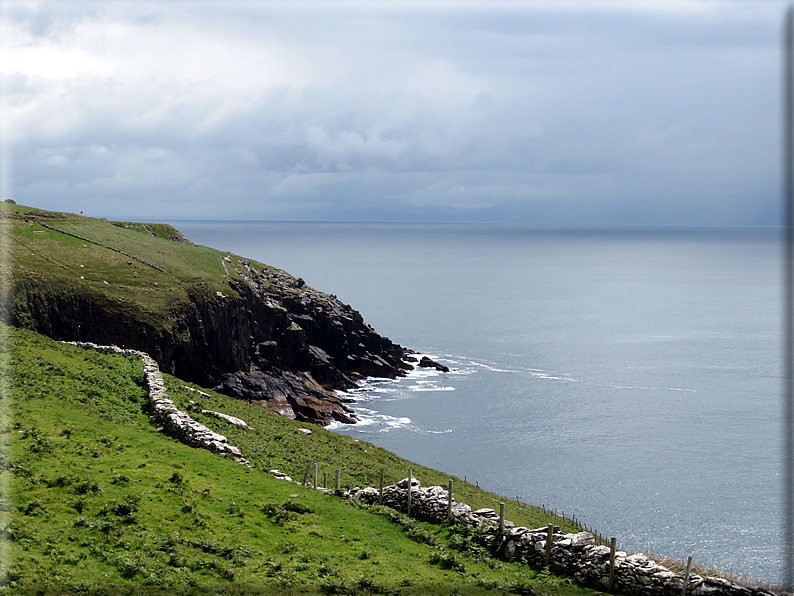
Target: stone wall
x,y
162,408
129,256
572,554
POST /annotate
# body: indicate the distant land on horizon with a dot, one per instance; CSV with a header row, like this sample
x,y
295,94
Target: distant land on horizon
x,y
542,214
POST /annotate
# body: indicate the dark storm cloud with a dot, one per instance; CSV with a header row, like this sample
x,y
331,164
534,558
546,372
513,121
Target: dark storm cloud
x,y
603,111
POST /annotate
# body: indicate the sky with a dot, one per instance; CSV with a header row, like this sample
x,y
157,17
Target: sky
x,y
638,112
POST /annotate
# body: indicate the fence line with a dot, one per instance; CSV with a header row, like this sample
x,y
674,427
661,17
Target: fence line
x,y
311,475
312,466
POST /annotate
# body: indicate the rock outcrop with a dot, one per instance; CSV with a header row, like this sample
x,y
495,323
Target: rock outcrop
x,y
273,340
427,362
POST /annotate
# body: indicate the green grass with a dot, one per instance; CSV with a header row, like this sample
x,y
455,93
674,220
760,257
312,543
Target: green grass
x,y
58,260
96,500
276,443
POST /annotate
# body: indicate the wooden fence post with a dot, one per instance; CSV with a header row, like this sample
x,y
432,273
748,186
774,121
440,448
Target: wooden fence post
x,y
325,480
686,576
316,469
549,542
338,478
612,545
501,517
449,504
380,492
306,473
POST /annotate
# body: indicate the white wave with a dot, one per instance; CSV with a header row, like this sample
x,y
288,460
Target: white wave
x,y
370,422
384,422
424,373
551,377
489,367
418,388
370,418
367,392
499,370
614,386
391,421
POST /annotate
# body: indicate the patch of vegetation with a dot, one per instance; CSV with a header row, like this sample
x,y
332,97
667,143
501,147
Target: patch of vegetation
x,y
136,272
156,230
101,502
277,443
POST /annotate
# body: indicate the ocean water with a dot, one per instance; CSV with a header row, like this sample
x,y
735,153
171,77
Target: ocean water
x,y
631,378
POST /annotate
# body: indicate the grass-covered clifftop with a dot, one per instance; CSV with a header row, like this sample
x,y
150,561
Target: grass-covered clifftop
x,y
38,252
207,316
97,500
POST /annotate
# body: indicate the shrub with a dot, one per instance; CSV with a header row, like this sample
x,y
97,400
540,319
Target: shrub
x,y
127,566
277,514
83,486
188,507
287,547
446,560
78,504
8,531
102,525
124,507
31,508
334,585
298,507
40,444
475,541
60,481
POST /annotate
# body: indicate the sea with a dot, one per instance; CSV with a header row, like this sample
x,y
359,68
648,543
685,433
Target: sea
x,y
629,377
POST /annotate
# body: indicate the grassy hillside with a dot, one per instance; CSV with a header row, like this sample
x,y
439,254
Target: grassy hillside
x,y
39,252
96,500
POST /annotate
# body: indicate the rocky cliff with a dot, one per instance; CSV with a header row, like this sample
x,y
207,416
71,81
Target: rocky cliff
x,y
261,334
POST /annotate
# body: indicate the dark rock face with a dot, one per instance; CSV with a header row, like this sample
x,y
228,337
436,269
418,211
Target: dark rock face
x,y
426,362
279,343
294,395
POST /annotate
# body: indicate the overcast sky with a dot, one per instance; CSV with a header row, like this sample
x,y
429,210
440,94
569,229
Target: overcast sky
x,y
590,111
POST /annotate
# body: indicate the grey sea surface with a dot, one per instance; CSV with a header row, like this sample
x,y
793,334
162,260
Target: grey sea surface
x,y
632,378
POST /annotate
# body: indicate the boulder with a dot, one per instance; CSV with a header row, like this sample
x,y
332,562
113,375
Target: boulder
x,y
426,362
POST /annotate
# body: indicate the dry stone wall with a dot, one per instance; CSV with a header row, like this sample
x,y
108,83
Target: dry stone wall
x,y
176,422
129,256
572,554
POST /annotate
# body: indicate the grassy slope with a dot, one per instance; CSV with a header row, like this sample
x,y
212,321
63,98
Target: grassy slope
x,y
40,253
75,425
96,500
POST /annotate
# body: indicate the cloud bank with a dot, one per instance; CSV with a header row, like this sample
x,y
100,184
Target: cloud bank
x,y
644,112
